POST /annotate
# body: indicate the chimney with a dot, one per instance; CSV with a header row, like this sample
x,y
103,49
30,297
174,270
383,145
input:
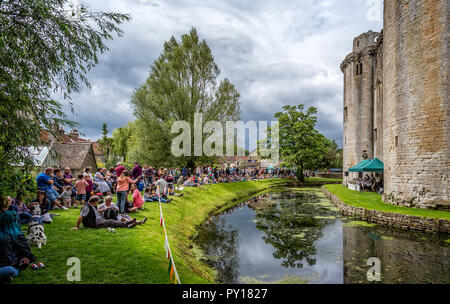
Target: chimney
x,y
74,134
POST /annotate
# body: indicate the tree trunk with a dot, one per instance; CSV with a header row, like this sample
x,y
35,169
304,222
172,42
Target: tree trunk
x,y
300,175
191,164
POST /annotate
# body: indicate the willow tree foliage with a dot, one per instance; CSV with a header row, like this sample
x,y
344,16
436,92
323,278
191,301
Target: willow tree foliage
x,y
46,46
184,80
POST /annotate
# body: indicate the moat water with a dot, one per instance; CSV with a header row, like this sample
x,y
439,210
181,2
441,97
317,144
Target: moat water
x,y
298,236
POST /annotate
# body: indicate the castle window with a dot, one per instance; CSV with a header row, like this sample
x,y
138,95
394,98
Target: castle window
x,y
396,141
359,68
345,140
357,43
375,134
345,114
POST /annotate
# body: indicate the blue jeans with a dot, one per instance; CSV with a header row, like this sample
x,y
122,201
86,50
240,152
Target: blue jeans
x,y
121,199
51,195
8,271
155,199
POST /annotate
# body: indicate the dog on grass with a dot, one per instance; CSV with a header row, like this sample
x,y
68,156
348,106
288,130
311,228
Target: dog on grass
x,y
36,235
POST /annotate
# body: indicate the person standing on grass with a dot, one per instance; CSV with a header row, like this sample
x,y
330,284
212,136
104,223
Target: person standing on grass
x,y
119,169
162,185
137,170
66,197
81,186
90,187
123,184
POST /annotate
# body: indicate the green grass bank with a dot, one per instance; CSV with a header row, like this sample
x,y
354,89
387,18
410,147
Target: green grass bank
x,y
137,255
373,201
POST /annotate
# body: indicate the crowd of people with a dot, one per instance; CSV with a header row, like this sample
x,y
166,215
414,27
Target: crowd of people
x,y
93,193
369,183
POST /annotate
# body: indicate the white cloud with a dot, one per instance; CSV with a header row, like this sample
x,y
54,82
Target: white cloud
x,y
275,52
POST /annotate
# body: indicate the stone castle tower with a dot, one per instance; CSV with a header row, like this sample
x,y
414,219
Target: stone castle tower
x,y
396,102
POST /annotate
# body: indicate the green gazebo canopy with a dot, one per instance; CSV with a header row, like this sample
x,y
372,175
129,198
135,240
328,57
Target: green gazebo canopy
x,y
358,166
375,165
367,165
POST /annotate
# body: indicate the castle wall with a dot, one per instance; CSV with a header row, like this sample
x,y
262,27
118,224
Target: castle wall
x,y
378,101
416,107
359,70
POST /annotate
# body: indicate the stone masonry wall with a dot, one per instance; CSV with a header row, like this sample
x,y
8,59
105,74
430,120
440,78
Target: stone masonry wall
x,y
402,221
359,100
416,111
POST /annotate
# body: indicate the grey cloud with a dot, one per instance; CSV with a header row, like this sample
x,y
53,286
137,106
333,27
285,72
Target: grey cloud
x,y
275,52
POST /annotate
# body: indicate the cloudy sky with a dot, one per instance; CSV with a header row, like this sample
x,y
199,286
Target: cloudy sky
x,y
276,52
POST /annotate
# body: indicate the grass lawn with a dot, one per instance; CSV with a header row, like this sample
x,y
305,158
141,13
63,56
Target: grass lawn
x,y
137,255
373,201
322,180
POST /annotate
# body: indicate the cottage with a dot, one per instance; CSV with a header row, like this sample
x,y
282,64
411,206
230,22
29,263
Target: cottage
x,y
76,156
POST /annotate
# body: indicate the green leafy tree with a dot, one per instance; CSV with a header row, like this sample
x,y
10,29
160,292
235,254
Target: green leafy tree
x,y
106,144
184,80
333,157
301,145
46,46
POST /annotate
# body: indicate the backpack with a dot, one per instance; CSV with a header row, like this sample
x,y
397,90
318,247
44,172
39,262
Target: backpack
x,y
90,221
111,214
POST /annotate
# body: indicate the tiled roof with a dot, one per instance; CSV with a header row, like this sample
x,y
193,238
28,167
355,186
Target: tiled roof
x,y
72,154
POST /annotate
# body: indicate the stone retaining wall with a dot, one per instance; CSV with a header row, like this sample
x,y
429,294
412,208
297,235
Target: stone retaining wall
x,y
402,221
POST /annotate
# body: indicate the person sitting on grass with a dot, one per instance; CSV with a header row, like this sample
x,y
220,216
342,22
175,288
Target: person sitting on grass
x,y
150,196
109,210
138,201
129,208
44,203
91,218
100,179
15,252
22,209
45,182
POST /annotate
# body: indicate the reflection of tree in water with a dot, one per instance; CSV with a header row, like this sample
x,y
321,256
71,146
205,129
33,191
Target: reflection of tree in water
x,y
290,227
220,247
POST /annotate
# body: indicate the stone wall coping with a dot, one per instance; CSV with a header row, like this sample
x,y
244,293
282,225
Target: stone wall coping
x,y
396,220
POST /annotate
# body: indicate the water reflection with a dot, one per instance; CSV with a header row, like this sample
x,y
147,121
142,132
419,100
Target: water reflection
x,y
405,257
298,237
222,249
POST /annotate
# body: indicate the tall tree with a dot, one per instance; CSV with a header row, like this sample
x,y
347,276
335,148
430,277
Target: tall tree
x,y
301,145
46,46
184,80
106,143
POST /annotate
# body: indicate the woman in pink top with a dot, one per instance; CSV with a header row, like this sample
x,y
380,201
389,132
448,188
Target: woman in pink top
x,y
138,201
123,184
